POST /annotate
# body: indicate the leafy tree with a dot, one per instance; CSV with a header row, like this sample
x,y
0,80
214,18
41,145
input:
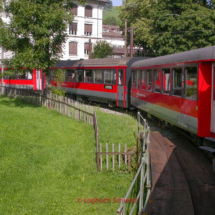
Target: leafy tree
x,y
102,49
168,26
182,26
59,78
36,32
110,21
109,5
137,13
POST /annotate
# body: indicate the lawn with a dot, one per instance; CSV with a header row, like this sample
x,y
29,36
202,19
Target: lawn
x,y
47,161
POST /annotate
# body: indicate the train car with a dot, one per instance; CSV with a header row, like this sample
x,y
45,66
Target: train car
x,y
34,80
179,89
102,80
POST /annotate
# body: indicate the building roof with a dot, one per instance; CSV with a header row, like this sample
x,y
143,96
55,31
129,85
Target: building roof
x,y
118,50
207,53
112,31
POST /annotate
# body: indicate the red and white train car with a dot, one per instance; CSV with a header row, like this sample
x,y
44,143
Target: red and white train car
x,y
103,80
179,89
34,80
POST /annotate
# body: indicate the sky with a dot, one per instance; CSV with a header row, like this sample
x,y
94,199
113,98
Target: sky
x,y
117,2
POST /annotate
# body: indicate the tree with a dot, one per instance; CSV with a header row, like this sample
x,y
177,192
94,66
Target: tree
x,y
36,32
110,21
168,27
109,5
137,13
102,49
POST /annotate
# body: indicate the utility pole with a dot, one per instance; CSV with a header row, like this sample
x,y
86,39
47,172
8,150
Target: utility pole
x,y
2,69
90,49
125,38
131,41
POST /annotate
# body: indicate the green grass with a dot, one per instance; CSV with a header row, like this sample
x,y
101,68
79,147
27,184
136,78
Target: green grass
x,y
111,12
47,161
117,129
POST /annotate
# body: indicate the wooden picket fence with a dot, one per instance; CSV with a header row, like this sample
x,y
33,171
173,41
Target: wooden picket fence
x,y
117,157
61,104
69,107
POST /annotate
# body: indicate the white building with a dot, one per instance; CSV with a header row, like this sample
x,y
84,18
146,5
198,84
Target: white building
x,y
8,54
87,25
113,36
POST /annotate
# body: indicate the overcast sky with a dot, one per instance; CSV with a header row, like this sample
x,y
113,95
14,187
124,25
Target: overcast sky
x,y
117,2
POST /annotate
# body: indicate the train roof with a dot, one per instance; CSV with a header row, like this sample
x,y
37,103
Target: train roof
x,y
207,53
99,62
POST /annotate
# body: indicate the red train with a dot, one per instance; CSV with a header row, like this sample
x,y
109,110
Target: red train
x,y
179,89
34,80
102,80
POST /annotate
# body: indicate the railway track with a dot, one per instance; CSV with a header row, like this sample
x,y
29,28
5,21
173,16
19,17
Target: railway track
x,y
183,179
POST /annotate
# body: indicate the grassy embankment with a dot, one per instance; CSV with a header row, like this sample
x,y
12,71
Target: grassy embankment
x,y
47,161
113,12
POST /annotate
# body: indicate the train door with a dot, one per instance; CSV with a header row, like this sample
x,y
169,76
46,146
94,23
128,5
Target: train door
x,y
213,101
120,87
38,79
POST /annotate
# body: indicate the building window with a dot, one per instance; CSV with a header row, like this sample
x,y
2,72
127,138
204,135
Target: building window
x,y
88,30
88,11
73,28
105,29
75,10
118,31
72,48
86,48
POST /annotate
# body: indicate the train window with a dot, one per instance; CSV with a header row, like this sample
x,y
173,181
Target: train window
x,y
80,75
70,75
88,76
157,81
134,75
191,83
166,81
143,80
138,79
24,75
120,77
149,80
28,75
177,81
109,76
98,78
